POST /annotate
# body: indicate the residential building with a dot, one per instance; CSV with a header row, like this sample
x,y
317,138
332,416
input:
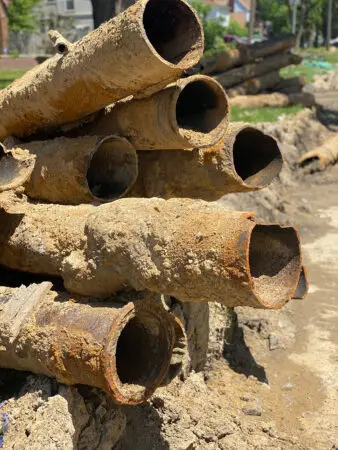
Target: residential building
x,y
226,10
80,11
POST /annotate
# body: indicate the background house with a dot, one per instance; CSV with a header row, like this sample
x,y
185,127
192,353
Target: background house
x,y
237,10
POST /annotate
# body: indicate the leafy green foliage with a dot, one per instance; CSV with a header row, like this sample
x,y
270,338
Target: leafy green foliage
x,y
21,16
213,28
277,12
237,29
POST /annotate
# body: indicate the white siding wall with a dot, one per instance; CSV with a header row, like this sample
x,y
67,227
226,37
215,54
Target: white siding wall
x,y
221,13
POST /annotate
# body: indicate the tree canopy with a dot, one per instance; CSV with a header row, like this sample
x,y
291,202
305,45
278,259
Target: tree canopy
x,y
21,15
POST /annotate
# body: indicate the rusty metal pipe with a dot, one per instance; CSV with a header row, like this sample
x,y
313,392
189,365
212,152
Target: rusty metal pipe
x,y
193,112
73,171
124,349
244,160
146,47
322,157
192,250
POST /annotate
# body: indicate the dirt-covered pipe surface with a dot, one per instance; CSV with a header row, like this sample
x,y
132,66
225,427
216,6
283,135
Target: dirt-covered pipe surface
x,y
73,171
147,46
124,349
192,250
193,112
244,160
322,157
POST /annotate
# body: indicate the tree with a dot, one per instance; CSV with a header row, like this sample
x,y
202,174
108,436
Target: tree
x,y
213,28
21,15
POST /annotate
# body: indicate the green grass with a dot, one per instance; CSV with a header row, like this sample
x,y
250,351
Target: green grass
x,y
262,114
302,70
7,76
320,54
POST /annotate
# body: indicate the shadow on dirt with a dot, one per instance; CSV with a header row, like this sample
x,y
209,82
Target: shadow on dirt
x,y
240,358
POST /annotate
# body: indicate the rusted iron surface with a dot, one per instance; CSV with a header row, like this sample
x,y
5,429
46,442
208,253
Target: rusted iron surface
x,y
275,99
303,285
146,47
125,349
72,171
322,157
192,250
193,112
244,160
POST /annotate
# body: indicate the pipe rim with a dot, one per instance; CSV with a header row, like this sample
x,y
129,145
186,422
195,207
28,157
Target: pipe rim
x,y
192,56
197,138
133,393
269,165
14,171
263,290
124,148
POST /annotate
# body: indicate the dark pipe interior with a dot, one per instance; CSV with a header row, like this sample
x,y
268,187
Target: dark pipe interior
x,y
15,278
200,107
141,350
112,170
274,257
257,157
172,29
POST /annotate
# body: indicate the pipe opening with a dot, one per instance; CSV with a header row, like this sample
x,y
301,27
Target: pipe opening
x,y
257,157
275,262
173,30
112,169
142,352
201,106
14,172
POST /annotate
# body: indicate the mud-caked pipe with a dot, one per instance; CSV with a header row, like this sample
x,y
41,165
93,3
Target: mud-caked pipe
x,y
193,112
124,349
322,157
246,159
145,47
192,250
73,171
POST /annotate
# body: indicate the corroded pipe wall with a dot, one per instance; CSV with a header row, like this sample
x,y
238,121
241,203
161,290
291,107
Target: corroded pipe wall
x,y
322,157
192,250
80,170
244,160
193,112
151,43
123,349
273,100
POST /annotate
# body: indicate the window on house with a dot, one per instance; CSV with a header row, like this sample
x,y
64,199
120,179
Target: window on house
x,y
69,5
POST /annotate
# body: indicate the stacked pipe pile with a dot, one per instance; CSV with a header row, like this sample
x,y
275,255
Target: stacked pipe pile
x,y
107,162
247,71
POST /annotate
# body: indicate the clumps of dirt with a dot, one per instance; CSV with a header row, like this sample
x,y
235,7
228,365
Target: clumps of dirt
x,y
327,81
45,415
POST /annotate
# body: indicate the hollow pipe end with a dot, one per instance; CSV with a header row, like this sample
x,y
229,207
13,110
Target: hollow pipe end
x,y
112,168
275,263
138,352
14,171
202,111
257,158
173,32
